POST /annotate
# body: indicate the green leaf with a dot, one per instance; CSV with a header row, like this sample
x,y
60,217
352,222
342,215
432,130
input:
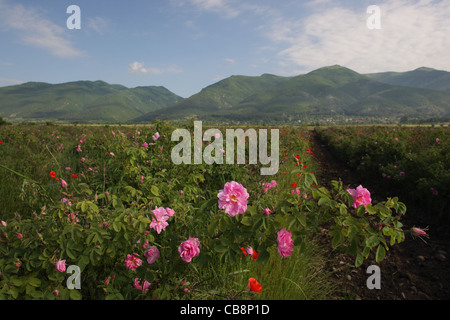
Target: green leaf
x,y
155,191
116,226
381,252
247,221
70,254
213,226
361,211
359,259
323,201
372,241
75,294
34,282
302,219
83,206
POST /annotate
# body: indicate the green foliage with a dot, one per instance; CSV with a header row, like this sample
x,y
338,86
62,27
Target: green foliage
x,y
117,177
413,162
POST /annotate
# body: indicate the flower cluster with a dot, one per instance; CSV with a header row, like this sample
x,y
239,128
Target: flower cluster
x,y
159,221
233,198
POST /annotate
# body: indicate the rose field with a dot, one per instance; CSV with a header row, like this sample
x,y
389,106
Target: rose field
x,y
109,201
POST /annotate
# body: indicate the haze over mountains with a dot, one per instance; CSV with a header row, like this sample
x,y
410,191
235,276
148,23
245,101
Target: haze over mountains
x,y
332,91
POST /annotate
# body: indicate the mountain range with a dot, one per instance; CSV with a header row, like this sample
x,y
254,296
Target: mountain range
x,y
85,101
332,91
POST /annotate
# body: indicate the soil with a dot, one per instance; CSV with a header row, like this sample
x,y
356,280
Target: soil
x,y
416,269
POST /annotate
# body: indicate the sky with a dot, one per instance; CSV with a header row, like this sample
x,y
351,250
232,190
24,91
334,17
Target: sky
x,y
187,45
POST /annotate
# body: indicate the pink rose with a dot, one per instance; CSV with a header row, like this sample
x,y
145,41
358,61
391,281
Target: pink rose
x,y
170,212
61,265
361,196
189,249
418,232
143,287
64,184
155,136
152,254
132,262
267,211
233,198
285,243
159,221
3,223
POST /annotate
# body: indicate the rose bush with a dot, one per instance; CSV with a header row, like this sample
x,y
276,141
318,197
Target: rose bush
x,y
124,222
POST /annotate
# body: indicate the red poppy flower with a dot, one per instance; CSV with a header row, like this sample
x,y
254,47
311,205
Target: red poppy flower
x,y
74,176
52,174
304,166
255,255
1,142
293,185
254,285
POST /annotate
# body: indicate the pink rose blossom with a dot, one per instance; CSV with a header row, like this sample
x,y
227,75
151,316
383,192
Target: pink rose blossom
x,y
233,198
170,212
267,211
61,265
19,235
361,196
189,249
159,221
285,243
145,145
418,232
143,287
3,223
64,184
152,254
155,136
132,262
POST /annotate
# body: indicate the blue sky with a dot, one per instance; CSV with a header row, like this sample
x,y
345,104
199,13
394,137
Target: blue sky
x,y
186,45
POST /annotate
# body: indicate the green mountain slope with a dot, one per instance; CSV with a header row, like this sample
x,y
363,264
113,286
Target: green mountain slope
x,y
336,90
425,78
326,92
81,101
222,95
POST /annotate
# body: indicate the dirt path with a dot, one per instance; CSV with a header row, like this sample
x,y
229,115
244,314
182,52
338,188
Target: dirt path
x,y
412,270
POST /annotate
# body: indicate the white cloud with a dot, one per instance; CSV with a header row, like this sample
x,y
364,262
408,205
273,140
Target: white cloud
x,y
98,24
230,60
222,7
34,29
412,34
138,67
9,82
